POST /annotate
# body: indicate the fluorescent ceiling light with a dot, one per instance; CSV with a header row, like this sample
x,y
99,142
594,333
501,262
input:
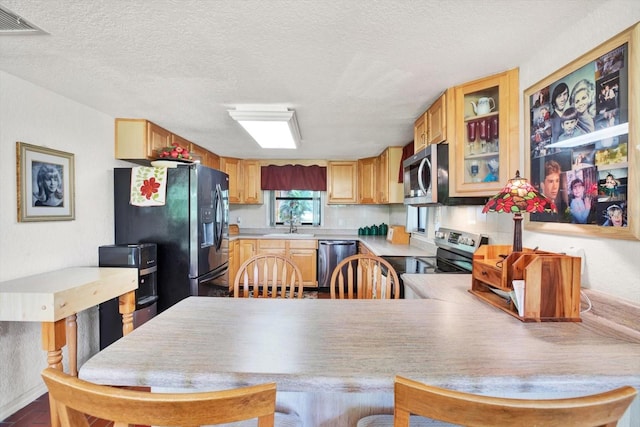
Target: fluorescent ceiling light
x,y
275,127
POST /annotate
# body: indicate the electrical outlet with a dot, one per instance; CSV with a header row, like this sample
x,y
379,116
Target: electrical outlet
x,y
239,220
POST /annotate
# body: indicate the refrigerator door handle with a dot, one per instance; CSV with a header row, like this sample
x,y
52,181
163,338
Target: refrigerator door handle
x,y
218,217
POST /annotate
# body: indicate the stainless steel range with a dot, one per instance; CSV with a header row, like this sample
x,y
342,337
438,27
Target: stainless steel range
x,y
455,250
454,255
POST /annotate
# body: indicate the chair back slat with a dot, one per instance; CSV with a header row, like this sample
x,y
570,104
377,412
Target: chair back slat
x,y
368,277
73,398
472,410
274,276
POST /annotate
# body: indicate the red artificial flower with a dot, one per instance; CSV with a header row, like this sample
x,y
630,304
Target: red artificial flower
x,y
149,186
536,205
505,204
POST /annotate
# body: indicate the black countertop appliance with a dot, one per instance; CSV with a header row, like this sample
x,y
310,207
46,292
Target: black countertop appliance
x,y
144,258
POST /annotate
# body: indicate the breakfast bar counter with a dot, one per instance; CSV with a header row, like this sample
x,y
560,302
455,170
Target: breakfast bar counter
x,y
334,361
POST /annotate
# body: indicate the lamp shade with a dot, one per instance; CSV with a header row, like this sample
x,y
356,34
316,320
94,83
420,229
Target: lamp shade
x,y
516,197
519,196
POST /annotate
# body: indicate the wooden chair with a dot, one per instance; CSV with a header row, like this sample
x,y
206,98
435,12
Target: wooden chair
x,y
268,276
73,398
412,397
367,277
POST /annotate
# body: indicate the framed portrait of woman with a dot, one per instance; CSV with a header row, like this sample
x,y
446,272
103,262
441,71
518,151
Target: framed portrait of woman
x,y
578,142
45,184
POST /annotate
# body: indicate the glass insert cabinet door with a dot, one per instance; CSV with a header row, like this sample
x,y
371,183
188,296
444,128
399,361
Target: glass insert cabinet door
x,y
486,126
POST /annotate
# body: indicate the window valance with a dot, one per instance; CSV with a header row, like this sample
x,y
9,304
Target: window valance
x,y
294,177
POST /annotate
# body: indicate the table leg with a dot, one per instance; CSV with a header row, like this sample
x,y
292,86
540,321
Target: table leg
x,y
53,339
126,307
72,344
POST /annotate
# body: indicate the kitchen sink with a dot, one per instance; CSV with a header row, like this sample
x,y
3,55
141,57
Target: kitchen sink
x,y
290,235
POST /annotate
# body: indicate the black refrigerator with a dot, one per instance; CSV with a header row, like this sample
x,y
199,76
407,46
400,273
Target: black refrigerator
x,y
191,230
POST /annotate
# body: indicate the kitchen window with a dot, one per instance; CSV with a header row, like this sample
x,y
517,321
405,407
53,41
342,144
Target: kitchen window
x,y
300,206
417,219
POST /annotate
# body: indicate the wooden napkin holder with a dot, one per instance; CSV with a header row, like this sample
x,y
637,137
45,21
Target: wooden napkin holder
x,y
552,282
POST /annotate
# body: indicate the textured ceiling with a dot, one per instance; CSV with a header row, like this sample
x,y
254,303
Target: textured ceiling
x,y
357,72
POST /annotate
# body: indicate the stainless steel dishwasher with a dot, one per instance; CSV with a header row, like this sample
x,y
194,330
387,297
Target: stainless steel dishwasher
x,y
330,253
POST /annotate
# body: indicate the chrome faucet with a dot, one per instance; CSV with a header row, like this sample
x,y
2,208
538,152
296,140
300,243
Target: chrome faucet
x,y
292,226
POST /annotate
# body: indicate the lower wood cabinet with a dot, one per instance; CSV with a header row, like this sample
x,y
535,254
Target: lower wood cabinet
x,y
362,249
302,252
247,248
234,261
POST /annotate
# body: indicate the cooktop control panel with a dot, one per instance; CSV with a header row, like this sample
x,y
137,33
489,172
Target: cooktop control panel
x,y
461,240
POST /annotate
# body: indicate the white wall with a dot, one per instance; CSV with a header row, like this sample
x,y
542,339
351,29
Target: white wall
x,y
611,265
31,114
340,218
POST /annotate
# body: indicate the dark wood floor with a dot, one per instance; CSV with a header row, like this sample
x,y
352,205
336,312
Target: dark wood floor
x,y
37,414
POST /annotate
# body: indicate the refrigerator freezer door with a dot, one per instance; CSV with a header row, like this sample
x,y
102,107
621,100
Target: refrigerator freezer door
x,y
186,246
212,225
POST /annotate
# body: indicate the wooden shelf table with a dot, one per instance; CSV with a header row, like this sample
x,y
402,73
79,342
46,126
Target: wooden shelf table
x,y
54,299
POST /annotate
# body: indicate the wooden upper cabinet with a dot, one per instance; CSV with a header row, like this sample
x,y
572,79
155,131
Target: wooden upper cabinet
x,y
420,133
252,182
484,153
232,167
389,190
342,180
159,138
139,139
213,160
436,121
431,126
244,180
198,153
367,171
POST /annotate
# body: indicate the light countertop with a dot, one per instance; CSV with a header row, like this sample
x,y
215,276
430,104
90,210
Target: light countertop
x,y
379,245
451,339
54,295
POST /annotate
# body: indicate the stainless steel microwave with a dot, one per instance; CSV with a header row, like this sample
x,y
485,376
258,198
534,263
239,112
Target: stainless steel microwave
x,y
420,177
426,179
